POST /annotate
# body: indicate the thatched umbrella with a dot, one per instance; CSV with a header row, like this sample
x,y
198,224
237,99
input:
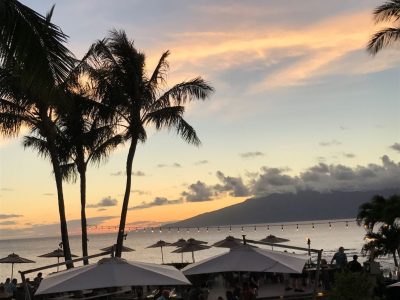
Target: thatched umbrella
x,y
160,244
228,242
274,240
191,247
56,253
113,247
14,259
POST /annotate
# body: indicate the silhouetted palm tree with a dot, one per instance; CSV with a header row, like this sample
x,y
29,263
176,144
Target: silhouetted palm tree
x,y
33,62
387,12
121,82
85,139
385,241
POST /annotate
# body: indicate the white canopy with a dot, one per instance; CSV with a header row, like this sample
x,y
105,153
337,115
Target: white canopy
x,y
111,272
249,259
396,284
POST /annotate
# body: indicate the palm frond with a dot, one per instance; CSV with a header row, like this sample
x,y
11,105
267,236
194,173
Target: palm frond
x,y
69,172
165,117
187,133
387,11
38,144
183,92
102,151
160,71
382,39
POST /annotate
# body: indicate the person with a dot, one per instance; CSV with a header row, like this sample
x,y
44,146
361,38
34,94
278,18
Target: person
x,y
220,298
340,258
354,265
12,287
247,292
4,294
164,295
7,285
37,279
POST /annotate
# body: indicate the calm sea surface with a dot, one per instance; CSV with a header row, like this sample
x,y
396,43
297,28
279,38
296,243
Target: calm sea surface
x,y
322,237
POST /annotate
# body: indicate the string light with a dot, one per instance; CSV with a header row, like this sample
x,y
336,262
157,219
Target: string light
x,y
218,229
347,225
297,227
160,230
255,228
230,228
198,229
152,230
187,230
330,225
178,229
313,227
268,227
242,229
282,227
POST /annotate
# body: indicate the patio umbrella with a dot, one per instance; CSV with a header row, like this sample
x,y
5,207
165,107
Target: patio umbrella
x,y
228,242
160,244
249,259
194,241
191,247
274,240
56,253
180,243
111,272
14,259
112,248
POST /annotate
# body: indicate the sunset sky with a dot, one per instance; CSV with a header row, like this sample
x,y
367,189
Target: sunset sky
x,y
299,104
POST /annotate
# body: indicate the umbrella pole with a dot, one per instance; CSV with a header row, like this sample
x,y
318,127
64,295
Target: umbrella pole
x,y
58,261
12,270
182,256
162,256
193,256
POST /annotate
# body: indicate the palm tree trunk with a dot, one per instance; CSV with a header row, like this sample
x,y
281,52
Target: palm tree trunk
x,y
61,206
124,210
82,176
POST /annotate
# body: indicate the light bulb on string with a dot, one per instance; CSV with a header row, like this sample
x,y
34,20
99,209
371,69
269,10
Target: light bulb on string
x,y
152,230
144,229
242,229
313,227
330,225
207,229
268,227
187,230
347,225
160,230
179,229
297,227
282,227
198,229
255,228
230,228
218,229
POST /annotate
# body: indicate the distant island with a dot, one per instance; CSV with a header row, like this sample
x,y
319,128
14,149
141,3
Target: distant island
x,y
287,207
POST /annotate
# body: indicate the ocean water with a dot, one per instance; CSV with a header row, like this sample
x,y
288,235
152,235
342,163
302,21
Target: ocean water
x,y
322,237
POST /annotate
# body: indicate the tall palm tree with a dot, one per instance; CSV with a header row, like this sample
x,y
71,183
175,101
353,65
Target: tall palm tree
x,y
387,12
121,82
33,61
85,139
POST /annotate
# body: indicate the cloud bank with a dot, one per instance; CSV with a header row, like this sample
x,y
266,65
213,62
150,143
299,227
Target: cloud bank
x,y
105,202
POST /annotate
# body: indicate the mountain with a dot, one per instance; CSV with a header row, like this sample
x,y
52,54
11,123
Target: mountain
x,y
287,207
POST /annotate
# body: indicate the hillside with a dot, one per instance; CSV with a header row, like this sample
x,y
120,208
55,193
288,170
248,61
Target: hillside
x,y
303,206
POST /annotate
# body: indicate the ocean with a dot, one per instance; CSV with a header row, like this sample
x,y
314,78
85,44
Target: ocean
x,y
322,237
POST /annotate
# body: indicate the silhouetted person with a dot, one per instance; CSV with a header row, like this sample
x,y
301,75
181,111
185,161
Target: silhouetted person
x,y
340,258
354,265
38,279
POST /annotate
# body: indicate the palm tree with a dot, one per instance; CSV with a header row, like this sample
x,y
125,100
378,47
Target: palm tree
x,y
387,12
371,212
84,140
119,76
385,241
33,61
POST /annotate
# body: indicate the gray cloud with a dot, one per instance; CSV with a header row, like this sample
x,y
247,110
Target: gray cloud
x,y
158,201
9,216
395,146
6,189
330,143
8,223
349,155
39,230
101,209
140,192
120,173
105,202
233,185
48,194
201,162
198,192
174,165
251,154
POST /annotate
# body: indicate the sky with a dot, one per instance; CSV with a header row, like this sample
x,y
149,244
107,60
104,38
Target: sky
x,y
298,104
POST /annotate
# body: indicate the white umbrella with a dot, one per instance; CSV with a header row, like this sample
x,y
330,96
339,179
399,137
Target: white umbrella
x,y
111,272
249,259
397,284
